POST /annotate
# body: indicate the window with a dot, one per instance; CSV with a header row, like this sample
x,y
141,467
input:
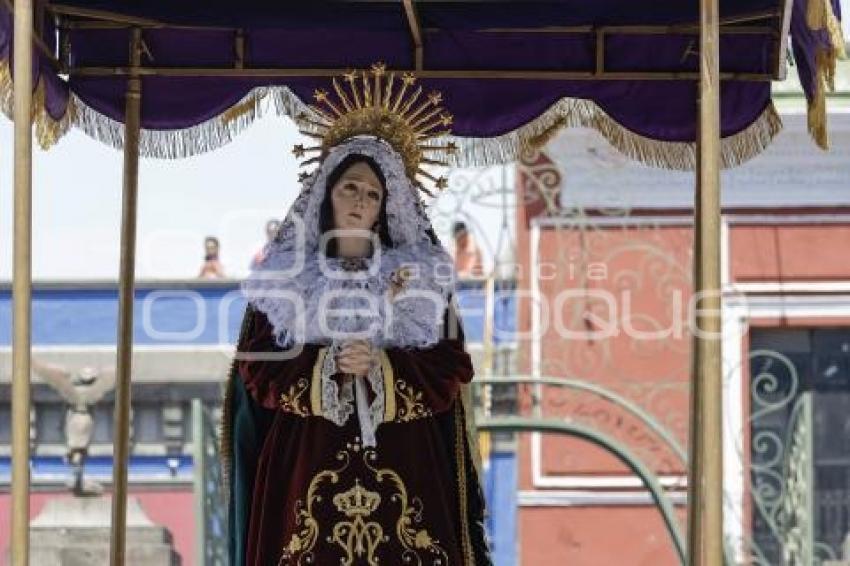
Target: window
x,y
785,363
147,423
50,423
5,424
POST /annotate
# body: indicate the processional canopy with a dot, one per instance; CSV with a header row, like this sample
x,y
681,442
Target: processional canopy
x,y
511,73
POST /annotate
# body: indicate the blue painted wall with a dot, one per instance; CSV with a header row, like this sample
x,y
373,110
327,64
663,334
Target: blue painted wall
x,y
208,314
142,468
500,491
163,315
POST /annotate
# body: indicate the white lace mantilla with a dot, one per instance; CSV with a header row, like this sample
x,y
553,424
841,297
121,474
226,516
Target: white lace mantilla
x,y
314,306
309,298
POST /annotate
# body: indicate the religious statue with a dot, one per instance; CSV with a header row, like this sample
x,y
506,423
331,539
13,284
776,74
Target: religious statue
x,y
345,432
81,389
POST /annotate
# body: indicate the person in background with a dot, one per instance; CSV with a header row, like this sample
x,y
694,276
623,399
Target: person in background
x,y
467,255
271,231
211,268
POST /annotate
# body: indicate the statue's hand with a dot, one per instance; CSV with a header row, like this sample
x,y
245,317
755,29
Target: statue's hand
x,y
355,357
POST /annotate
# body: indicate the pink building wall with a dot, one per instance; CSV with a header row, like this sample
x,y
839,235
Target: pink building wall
x,y
171,508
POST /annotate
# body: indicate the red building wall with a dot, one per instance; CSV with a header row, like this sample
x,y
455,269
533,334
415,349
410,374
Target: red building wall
x,y
647,255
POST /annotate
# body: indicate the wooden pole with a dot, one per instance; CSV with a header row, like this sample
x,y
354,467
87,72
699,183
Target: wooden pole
x,y
126,291
22,284
705,488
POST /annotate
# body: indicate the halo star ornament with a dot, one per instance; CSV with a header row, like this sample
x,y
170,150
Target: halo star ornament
x,y
380,104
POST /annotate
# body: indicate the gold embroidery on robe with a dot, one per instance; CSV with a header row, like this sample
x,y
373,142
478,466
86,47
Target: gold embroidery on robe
x,y
356,535
292,401
409,403
409,535
301,543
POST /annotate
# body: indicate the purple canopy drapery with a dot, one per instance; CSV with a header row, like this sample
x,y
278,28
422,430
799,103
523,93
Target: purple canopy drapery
x,y
495,118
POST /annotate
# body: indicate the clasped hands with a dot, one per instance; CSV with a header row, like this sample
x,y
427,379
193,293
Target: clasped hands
x,y
355,357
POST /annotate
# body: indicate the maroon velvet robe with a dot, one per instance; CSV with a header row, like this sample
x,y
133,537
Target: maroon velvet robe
x,y
320,497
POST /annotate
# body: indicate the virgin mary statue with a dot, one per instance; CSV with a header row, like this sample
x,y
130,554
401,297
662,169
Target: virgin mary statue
x,y
345,435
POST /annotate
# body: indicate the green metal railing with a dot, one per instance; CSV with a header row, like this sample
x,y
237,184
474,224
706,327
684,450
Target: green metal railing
x,y
519,424
590,434
210,508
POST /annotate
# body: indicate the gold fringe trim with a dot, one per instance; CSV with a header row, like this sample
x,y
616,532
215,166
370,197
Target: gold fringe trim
x,y
249,106
48,130
461,435
6,92
816,108
571,112
206,136
471,429
568,112
820,16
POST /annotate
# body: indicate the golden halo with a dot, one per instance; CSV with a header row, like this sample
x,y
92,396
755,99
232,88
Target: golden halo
x,y
375,103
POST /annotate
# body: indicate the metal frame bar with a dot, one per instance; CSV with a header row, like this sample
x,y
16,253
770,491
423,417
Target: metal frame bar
x,y
741,25
425,74
126,292
415,33
36,36
781,68
731,27
22,284
705,485
746,24
673,29
103,19
104,15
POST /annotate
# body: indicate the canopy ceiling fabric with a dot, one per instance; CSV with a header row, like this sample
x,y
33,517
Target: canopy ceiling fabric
x,y
495,119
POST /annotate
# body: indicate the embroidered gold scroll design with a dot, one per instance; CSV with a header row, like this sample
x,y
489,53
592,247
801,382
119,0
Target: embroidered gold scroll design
x,y
291,400
302,542
409,403
357,536
412,537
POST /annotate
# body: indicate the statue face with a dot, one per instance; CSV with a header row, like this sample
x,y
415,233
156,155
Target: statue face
x,y
356,198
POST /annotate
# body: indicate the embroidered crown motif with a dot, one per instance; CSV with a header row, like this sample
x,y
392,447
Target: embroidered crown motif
x,y
357,501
